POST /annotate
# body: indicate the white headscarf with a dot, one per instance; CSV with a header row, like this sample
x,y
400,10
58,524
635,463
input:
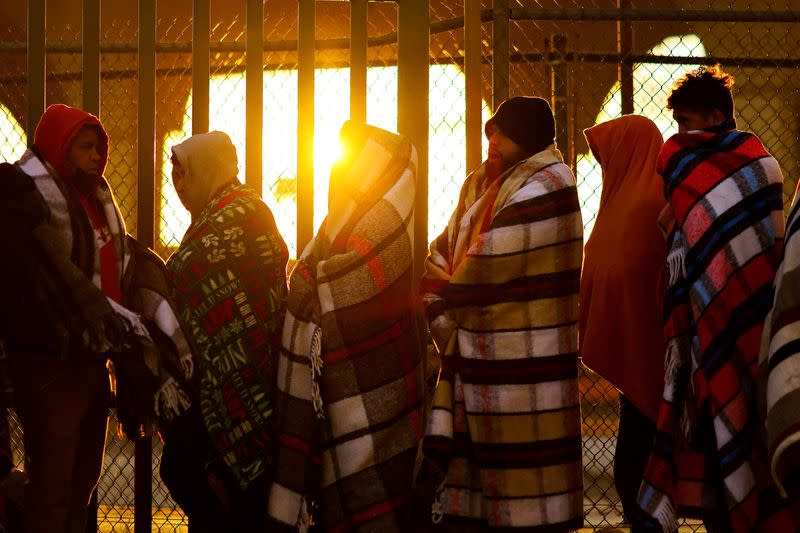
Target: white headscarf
x,y
210,162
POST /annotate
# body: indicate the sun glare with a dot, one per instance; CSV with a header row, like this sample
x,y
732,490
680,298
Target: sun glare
x,y
447,167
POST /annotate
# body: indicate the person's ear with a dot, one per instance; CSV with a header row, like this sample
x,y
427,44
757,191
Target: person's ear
x,y
717,116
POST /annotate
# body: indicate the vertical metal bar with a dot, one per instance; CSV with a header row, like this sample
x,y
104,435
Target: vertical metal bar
x,y
500,44
560,96
91,56
472,73
201,66
36,67
358,60
305,122
413,72
147,123
625,48
254,93
548,64
145,225
143,485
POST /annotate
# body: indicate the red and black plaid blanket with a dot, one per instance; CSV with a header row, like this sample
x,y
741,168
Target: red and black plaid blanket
x,y
725,192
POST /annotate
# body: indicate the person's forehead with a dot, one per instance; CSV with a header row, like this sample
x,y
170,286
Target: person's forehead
x,y
686,112
87,133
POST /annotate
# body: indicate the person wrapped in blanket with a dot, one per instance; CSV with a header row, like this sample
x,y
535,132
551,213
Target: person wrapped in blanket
x,y
76,290
779,366
350,385
500,289
621,329
229,279
724,221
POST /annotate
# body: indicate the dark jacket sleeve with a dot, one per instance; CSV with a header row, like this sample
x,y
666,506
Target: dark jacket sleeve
x,y
22,209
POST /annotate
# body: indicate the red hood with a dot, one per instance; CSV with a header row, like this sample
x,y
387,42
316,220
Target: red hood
x,y
56,129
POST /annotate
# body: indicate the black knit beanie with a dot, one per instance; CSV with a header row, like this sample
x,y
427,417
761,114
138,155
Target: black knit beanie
x,y
526,120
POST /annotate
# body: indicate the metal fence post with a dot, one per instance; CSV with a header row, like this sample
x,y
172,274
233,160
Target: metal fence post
x,y
145,226
413,73
624,48
36,68
560,88
500,53
472,75
306,33
254,94
358,60
90,86
201,65
91,56
145,205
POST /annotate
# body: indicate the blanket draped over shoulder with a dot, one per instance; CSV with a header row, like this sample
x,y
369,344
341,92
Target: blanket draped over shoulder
x,y
144,339
725,192
349,378
229,278
501,295
780,363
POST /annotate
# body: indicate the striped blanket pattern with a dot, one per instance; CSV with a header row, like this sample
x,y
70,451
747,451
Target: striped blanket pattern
x,y
501,295
349,395
779,365
71,277
725,192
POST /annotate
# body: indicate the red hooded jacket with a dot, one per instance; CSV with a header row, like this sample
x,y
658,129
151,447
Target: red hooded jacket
x,y
56,129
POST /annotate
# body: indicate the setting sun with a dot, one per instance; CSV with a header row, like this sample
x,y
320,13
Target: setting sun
x,y
447,135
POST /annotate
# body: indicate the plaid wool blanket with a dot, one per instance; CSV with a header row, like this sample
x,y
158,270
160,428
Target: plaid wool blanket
x,y
349,378
501,295
779,365
144,339
230,286
725,192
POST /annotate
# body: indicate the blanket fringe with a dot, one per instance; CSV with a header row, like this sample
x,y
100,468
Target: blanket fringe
x,y
171,400
437,509
316,371
674,364
187,364
665,514
686,421
676,258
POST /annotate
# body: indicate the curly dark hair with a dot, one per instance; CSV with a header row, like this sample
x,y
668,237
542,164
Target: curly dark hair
x,y
704,89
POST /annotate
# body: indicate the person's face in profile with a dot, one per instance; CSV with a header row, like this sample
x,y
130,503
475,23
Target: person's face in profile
x,y
179,181
83,154
502,148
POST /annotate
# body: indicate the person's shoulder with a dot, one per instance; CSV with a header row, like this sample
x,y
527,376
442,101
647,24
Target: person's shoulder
x,y
556,175
10,169
13,180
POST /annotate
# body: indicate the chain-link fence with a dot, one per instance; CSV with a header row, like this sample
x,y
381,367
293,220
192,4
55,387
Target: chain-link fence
x,y
594,63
